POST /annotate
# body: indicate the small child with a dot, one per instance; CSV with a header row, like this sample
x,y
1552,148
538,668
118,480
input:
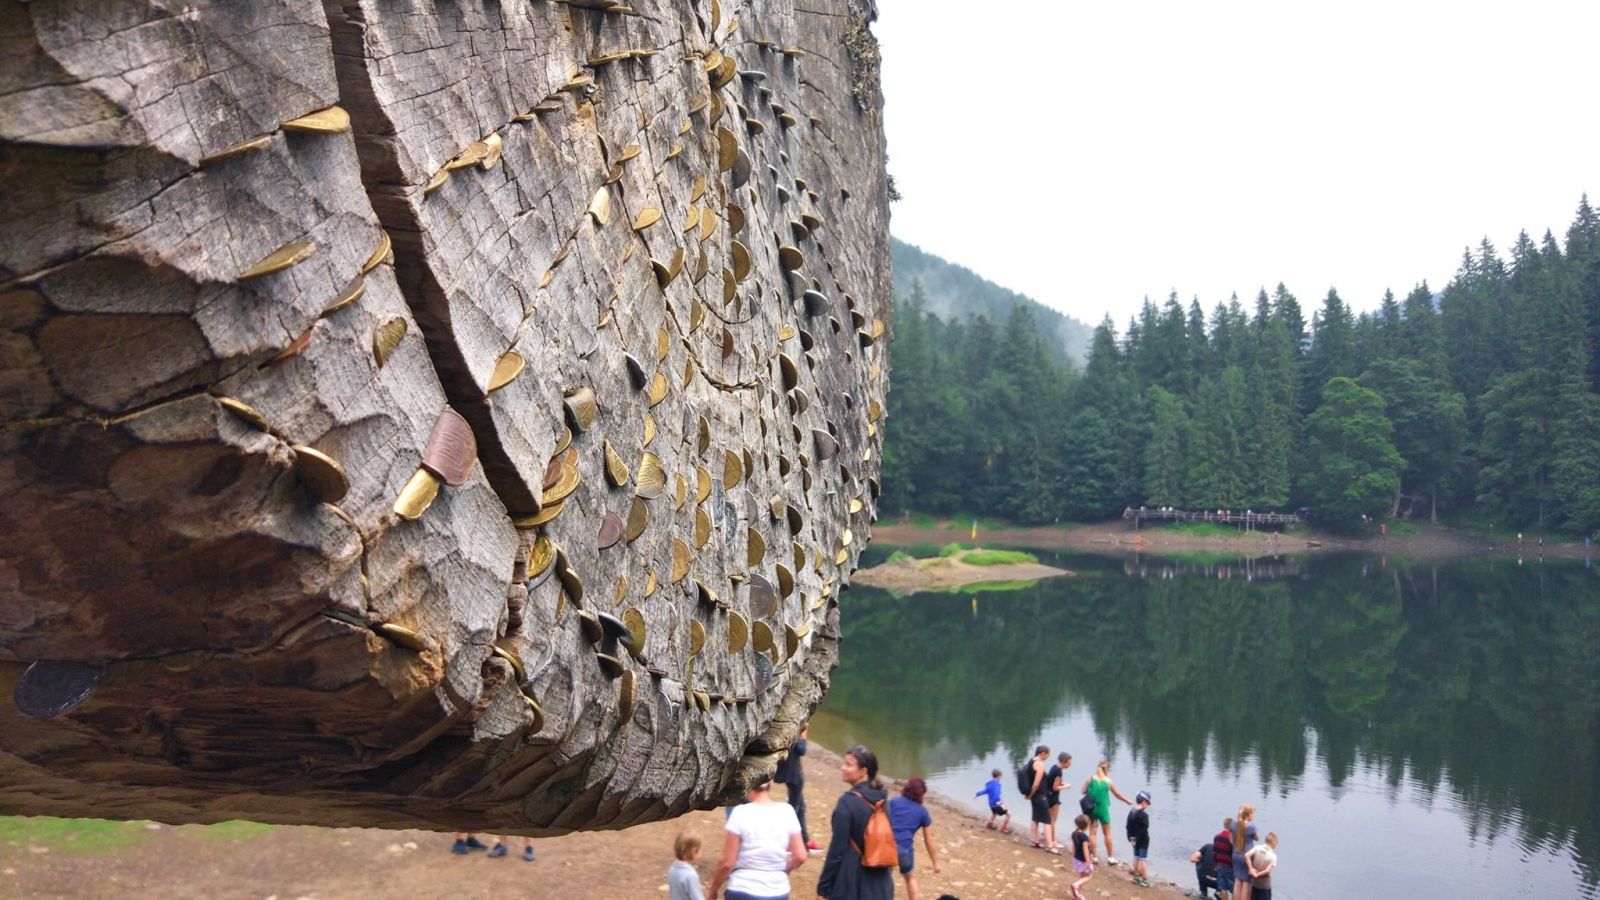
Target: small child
x,y
500,848
1083,855
996,808
683,882
1262,860
1139,837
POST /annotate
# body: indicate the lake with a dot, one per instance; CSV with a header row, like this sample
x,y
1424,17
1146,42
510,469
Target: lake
x,y
1408,729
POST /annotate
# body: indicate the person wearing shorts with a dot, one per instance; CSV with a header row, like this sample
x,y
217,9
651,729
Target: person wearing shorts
x,y
1083,855
1222,853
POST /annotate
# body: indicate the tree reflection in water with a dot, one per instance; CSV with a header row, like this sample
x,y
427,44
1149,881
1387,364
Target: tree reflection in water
x,y
1478,680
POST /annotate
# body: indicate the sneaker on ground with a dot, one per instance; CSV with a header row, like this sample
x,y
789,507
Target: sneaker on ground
x,y
813,845
475,844
458,847
527,854
1112,861
498,851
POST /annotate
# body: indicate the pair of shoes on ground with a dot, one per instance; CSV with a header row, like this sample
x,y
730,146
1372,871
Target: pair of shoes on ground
x,y
468,845
1141,881
813,848
501,850
1077,894
1112,861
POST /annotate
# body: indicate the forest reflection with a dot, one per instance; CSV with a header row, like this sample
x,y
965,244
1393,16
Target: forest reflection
x,y
1477,681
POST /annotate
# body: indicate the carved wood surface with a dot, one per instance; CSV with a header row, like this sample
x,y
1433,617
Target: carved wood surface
x,y
448,414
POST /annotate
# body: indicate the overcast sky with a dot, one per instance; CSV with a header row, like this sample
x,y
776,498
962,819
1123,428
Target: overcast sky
x,y
1090,154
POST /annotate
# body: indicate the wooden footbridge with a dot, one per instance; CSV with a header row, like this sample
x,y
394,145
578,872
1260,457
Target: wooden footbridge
x,y
1247,519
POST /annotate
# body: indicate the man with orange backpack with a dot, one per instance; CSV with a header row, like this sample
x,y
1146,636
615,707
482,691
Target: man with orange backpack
x,y
862,855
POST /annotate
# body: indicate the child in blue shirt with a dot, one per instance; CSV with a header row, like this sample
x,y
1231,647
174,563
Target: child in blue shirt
x,y
996,808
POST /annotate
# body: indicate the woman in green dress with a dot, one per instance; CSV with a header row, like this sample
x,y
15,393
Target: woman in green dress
x,y
1102,789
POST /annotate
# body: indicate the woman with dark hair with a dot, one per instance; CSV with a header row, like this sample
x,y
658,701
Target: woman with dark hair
x,y
906,815
843,875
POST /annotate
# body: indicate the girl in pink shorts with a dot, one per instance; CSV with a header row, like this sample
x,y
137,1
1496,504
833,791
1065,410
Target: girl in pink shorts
x,y
1083,855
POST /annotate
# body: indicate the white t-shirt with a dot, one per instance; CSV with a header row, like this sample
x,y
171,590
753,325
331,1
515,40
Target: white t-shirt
x,y
764,830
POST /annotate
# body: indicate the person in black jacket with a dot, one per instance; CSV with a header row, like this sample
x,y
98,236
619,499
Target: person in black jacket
x,y
791,774
1205,869
843,875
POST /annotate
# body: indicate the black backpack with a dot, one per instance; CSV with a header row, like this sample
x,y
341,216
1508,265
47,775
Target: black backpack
x,y
1025,777
1087,804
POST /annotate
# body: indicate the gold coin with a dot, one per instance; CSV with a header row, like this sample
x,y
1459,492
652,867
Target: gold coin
x,y
401,635
680,560
386,338
322,475
651,480
333,120
761,636
738,632
646,217
756,549
638,520
702,528
508,367
282,258
238,149
418,494
616,469
600,206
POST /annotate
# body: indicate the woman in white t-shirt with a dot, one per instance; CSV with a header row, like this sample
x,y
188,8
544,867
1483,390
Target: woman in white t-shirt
x,y
763,845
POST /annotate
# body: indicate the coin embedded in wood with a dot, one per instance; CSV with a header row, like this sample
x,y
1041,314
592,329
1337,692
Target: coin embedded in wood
x,y
681,556
245,411
756,549
288,255
332,120
638,520
702,528
740,173
738,632
418,494
401,636
634,620
697,637
763,597
790,258
386,339
547,512
322,475
540,556
50,687
650,480
646,217
600,206
616,469
610,530
761,636
506,368
658,389
581,406
452,449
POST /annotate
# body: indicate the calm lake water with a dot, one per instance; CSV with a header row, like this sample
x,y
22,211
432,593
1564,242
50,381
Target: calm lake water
x,y
1409,730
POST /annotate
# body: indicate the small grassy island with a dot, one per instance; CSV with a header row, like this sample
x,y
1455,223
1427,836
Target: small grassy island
x,y
958,568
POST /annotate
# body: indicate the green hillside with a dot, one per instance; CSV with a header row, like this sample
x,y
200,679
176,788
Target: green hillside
x,y
955,292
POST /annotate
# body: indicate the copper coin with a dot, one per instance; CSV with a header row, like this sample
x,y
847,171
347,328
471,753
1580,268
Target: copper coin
x,y
452,449
610,530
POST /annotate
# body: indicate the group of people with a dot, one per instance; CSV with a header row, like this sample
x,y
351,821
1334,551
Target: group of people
x,y
765,840
1236,863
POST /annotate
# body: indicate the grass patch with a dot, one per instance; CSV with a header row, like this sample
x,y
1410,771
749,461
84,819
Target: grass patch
x,y
1202,529
998,558
897,556
950,549
1401,527
79,836
231,830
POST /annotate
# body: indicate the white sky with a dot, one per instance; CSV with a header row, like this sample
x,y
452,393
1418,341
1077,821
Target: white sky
x,y
1089,154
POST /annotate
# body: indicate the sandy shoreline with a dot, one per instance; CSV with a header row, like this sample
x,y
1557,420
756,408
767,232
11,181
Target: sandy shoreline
x,y
371,864
909,576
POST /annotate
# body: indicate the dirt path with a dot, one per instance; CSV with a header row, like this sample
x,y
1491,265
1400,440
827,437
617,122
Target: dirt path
x,y
1116,536
290,863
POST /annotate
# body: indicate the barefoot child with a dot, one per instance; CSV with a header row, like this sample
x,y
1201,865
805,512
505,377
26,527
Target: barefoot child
x,y
1083,855
683,881
996,808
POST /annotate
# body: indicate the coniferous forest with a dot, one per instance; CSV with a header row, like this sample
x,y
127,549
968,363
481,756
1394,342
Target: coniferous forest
x,y
1483,398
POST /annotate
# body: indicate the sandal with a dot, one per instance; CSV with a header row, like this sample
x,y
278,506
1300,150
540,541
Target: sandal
x,y
1038,846
989,826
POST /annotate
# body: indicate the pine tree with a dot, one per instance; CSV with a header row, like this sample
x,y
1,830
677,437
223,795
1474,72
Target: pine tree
x,y
1354,467
1333,351
1165,469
